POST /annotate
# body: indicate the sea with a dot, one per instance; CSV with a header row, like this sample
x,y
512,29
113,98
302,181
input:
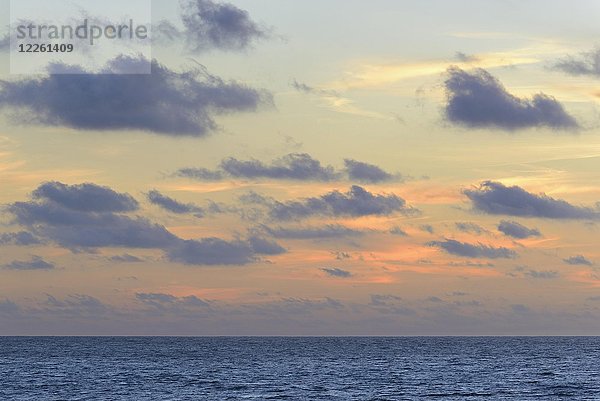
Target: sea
x,y
304,368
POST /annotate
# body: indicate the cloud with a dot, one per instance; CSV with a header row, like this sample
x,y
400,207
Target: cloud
x,y
75,229
465,58
86,197
172,205
79,305
263,246
334,272
302,87
167,301
495,198
210,25
163,102
474,250
86,230
578,260
478,100
21,238
36,263
364,172
293,166
200,174
125,258
428,228
398,231
469,228
328,231
544,275
587,63
516,230
357,202
212,251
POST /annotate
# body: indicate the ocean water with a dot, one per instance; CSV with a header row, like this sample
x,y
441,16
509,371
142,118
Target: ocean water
x,y
416,368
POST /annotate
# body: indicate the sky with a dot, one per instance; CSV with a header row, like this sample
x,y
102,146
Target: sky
x,y
311,168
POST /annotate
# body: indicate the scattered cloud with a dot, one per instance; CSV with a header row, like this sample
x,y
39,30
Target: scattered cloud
x,y
587,63
428,228
36,263
302,87
125,258
328,231
516,230
75,229
21,238
211,25
293,166
398,231
335,272
164,302
578,260
85,197
467,227
365,172
163,102
172,205
64,223
264,246
357,202
474,250
477,99
544,275
211,251
495,198
465,58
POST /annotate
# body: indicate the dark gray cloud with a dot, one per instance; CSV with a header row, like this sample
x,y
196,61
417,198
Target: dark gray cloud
x,y
356,202
398,231
294,166
79,305
335,272
21,238
544,274
302,87
36,263
76,229
264,246
87,230
495,198
328,231
465,58
172,205
578,260
163,102
478,100
428,228
469,228
474,250
516,230
167,301
125,258
211,25
86,197
200,174
212,251
587,63
365,172
383,300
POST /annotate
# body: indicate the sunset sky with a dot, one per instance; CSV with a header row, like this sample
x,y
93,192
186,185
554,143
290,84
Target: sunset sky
x,y
312,168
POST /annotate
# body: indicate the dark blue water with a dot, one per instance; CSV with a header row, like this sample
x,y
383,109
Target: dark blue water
x,y
300,368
